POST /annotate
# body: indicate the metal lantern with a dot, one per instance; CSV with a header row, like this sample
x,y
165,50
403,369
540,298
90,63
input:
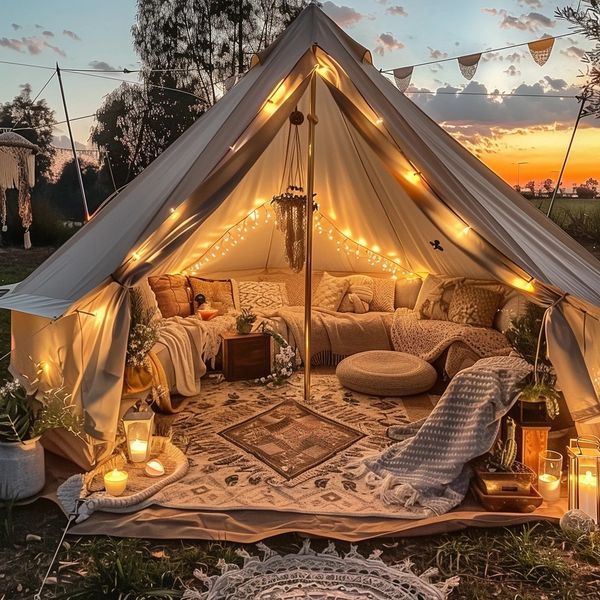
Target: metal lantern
x,y
139,427
584,470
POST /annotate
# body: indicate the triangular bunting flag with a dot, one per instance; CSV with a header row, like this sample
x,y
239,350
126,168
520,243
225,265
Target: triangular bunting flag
x,y
468,65
402,77
541,49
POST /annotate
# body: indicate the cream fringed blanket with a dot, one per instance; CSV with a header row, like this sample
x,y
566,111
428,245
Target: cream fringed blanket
x,y
428,339
340,334
428,469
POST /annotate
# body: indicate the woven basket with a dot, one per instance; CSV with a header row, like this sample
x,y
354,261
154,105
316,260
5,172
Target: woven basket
x,y
21,469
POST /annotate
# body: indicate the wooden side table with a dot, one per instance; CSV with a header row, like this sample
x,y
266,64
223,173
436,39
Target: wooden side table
x,y
246,356
531,440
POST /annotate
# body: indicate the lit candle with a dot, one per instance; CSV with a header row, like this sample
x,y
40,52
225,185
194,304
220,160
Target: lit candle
x,y
549,487
588,493
115,482
138,450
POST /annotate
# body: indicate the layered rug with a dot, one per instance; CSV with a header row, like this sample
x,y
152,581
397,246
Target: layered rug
x,y
319,576
254,448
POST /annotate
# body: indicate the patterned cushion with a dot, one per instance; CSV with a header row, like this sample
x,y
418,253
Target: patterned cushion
x,y
473,305
173,295
434,297
359,295
262,295
384,291
330,292
219,292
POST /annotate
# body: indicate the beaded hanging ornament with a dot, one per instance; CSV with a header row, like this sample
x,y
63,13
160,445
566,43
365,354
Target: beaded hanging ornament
x,y
290,203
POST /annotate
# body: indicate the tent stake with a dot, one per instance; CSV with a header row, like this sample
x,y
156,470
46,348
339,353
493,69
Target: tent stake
x,y
310,185
562,170
86,212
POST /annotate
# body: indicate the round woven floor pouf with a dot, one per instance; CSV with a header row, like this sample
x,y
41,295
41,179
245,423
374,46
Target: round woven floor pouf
x,y
386,373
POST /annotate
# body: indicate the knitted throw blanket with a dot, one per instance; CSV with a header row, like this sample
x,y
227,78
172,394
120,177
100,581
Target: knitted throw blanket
x,y
428,339
428,469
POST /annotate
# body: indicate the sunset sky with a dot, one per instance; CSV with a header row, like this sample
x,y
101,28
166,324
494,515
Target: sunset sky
x,y
501,131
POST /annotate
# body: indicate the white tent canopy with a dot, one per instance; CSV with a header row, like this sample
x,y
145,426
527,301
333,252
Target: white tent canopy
x,y
386,175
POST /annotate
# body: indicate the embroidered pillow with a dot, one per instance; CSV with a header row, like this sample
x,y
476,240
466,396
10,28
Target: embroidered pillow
x,y
359,295
219,292
262,295
330,291
434,297
173,295
472,305
384,291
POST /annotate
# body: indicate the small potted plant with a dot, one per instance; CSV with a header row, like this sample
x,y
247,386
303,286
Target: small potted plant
x,y
244,321
499,472
23,420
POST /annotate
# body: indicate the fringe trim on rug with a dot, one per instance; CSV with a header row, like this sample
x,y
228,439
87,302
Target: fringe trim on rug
x,y
330,562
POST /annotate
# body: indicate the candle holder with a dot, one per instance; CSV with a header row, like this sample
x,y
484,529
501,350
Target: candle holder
x,y
584,469
549,474
139,427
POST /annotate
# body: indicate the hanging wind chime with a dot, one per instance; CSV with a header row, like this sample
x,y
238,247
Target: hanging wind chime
x,y
290,203
17,170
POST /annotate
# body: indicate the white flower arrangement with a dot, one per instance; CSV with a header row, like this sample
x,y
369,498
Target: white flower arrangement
x,y
143,332
284,362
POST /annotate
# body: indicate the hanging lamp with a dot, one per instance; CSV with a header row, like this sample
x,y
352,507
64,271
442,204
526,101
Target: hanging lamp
x,y
290,203
17,170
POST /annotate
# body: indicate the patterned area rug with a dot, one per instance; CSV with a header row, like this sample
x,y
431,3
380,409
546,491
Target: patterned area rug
x,y
323,576
234,465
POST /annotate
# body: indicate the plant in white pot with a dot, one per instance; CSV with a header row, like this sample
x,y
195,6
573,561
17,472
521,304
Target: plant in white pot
x,y
23,420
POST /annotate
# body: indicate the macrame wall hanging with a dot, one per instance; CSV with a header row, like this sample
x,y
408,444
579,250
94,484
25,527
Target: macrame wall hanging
x,y
290,203
541,50
17,170
402,78
468,65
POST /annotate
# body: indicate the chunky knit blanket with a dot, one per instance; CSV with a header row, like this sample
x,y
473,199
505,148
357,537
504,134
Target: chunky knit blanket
x,y
427,469
428,339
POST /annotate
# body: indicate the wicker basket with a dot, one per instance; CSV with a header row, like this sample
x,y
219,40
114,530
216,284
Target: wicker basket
x,y
21,469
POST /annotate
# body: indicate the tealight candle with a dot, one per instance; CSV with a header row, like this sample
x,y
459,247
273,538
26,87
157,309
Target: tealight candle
x,y
549,487
115,482
138,450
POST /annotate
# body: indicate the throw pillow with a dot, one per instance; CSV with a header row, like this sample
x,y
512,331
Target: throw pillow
x,y
149,299
434,297
407,292
384,291
330,291
262,295
173,295
472,305
359,294
219,292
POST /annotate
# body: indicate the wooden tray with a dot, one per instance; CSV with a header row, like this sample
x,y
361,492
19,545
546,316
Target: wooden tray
x,y
507,502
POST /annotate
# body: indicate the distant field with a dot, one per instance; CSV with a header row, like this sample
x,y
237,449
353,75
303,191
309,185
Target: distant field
x,y
572,204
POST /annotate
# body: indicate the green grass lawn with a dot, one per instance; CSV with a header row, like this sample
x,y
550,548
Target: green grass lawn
x,y
571,204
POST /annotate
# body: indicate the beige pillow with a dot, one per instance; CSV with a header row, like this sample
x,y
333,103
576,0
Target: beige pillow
x,y
384,292
262,295
219,292
359,295
330,291
294,285
434,297
473,305
515,306
407,292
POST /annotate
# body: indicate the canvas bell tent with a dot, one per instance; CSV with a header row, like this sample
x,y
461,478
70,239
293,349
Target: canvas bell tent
x,y
405,196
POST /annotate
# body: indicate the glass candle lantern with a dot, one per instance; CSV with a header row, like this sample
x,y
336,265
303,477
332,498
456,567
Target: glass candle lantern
x,y
139,427
584,469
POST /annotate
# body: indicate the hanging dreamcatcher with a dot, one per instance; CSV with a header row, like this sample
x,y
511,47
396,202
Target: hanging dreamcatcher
x,y
290,203
17,170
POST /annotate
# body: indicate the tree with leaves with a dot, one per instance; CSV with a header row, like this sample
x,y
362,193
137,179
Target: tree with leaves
x,y
585,18
34,121
190,51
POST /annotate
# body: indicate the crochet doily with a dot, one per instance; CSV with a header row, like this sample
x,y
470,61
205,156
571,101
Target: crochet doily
x,y
319,576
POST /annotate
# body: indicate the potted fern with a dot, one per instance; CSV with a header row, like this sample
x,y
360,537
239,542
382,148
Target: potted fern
x,y
23,420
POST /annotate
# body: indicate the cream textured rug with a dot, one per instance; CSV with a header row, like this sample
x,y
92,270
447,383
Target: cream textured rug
x,y
233,466
319,576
